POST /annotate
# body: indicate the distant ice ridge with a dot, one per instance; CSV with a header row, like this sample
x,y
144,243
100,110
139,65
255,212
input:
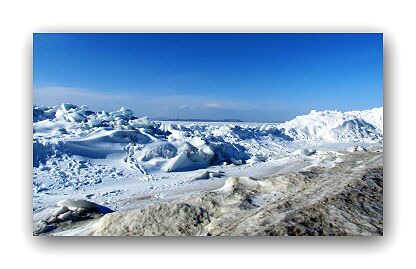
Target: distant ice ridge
x,y
148,146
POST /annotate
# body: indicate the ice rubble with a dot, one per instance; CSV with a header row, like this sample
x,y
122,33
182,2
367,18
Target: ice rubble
x,y
67,210
78,135
77,131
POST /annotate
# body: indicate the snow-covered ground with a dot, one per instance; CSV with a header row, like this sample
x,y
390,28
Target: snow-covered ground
x,y
346,199
122,161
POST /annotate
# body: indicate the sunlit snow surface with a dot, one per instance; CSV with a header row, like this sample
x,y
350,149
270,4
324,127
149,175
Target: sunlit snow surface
x,y
123,161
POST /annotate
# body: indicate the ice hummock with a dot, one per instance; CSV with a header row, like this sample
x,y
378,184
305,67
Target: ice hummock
x,y
77,131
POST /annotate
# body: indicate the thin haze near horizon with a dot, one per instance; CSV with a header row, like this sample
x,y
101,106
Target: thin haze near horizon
x,y
251,77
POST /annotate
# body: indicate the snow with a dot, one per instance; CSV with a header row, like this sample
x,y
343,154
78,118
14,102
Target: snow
x,y
304,152
335,126
164,219
65,211
208,175
124,161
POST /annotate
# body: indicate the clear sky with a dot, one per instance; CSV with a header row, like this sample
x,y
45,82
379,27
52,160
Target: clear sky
x,y
265,77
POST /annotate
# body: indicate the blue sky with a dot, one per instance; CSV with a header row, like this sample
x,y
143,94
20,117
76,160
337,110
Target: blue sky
x,y
265,77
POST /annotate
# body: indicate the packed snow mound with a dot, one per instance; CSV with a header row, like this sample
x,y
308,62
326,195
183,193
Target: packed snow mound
x,y
70,133
335,126
163,219
163,149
